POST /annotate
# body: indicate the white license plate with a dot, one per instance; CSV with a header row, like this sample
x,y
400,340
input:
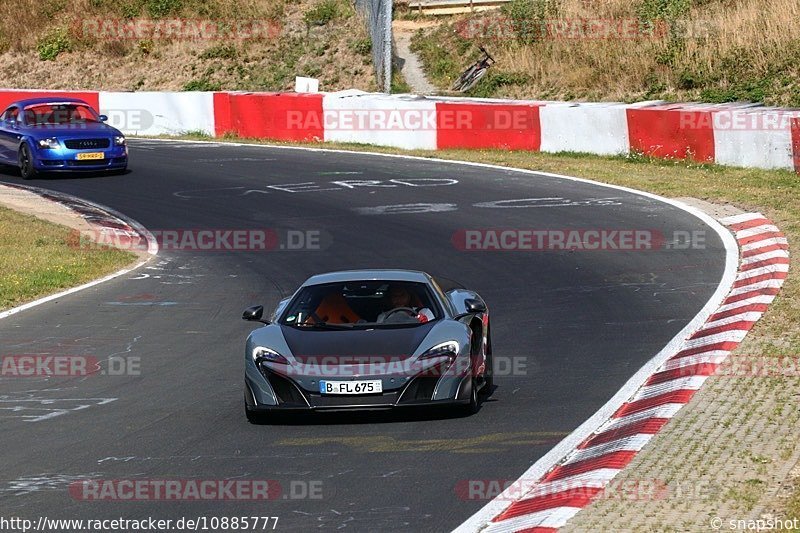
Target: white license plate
x,y
351,387
88,156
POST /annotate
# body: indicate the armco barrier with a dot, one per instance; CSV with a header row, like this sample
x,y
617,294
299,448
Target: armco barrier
x,y
672,131
400,121
594,128
282,116
155,113
745,135
512,126
795,127
8,96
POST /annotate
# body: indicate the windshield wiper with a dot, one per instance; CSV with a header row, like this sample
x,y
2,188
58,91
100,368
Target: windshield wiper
x,y
325,325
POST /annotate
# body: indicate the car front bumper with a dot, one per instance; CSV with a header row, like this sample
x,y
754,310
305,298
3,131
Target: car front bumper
x,y
66,160
268,390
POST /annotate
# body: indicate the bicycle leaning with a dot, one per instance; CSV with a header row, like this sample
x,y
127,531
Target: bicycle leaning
x,y
475,73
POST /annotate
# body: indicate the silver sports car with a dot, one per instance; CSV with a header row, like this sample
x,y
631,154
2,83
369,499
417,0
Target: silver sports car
x,y
369,339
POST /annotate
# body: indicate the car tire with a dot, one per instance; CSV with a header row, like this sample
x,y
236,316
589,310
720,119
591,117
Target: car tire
x,y
25,161
253,417
472,407
488,374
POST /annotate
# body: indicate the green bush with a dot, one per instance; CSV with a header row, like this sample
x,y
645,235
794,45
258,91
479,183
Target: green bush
x,y
202,84
667,10
323,13
529,18
493,82
53,43
162,8
220,51
363,46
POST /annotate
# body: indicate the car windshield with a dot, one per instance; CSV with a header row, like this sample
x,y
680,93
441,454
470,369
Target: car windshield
x,y
356,304
59,114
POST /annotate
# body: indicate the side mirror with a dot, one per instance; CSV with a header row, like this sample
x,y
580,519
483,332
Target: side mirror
x,y
475,306
103,118
254,314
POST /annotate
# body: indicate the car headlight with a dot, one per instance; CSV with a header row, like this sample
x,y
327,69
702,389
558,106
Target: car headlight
x,y
119,140
50,144
266,354
447,349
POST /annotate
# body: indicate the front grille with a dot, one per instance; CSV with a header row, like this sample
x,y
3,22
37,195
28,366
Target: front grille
x,y
386,399
285,390
87,144
420,389
88,163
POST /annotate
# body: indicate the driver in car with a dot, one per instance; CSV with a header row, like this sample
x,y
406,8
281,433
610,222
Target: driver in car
x,y
401,307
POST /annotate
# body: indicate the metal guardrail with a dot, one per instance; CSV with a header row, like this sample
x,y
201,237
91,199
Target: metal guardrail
x,y
378,17
453,7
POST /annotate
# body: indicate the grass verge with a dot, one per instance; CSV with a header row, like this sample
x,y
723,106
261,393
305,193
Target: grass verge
x,y
38,258
776,193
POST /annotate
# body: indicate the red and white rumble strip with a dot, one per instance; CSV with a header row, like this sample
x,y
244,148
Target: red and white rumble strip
x,y
549,502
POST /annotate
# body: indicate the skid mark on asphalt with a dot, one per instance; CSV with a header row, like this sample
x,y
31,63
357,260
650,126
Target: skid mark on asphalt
x,y
195,458
376,519
46,481
493,443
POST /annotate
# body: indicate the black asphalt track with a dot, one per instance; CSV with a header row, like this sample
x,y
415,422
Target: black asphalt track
x,y
570,327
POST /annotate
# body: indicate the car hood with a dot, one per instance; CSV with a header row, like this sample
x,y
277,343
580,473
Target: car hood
x,y
308,345
90,129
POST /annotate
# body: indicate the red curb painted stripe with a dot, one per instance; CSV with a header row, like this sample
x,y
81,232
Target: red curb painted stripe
x,y
700,369
742,325
760,237
567,498
678,396
767,291
753,223
764,263
763,277
616,460
648,426
769,248
726,346
750,308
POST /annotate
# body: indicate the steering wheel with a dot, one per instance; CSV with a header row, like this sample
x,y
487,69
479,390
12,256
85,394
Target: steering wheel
x,y
411,312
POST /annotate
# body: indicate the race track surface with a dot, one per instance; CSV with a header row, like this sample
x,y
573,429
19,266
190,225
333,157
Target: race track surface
x,y
577,324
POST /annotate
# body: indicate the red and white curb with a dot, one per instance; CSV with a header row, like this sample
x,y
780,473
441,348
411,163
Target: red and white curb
x,y
100,217
549,501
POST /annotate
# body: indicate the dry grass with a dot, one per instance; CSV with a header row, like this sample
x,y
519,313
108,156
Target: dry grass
x,y
724,50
